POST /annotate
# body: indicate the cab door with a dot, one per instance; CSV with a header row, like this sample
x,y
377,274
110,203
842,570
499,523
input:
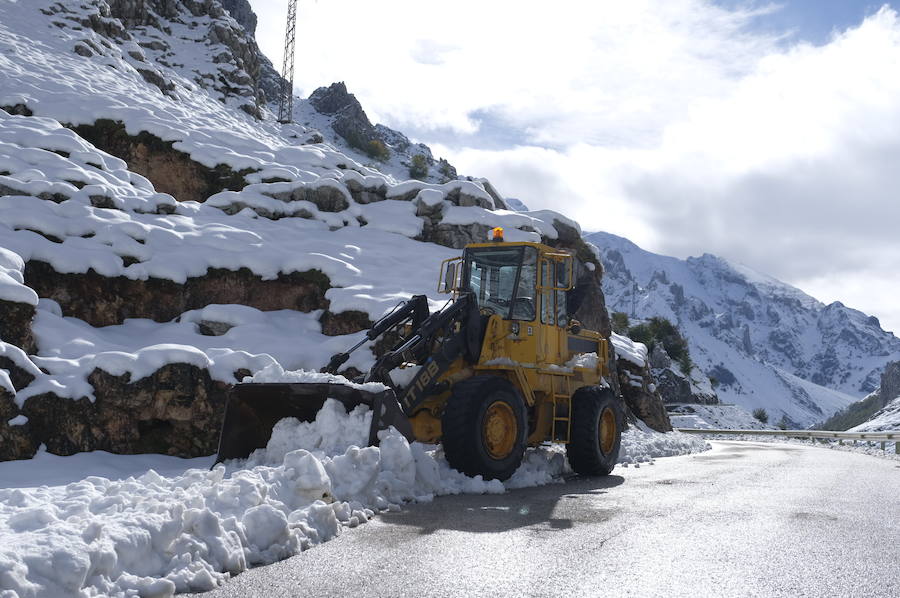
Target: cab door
x,y
555,279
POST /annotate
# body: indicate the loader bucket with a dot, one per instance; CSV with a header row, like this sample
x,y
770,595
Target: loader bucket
x,y
254,409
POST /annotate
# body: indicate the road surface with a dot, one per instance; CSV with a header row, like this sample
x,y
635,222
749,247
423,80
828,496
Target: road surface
x,y
745,519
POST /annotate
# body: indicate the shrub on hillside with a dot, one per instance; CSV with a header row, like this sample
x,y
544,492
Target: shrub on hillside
x,y
419,167
660,330
761,414
619,322
378,150
854,414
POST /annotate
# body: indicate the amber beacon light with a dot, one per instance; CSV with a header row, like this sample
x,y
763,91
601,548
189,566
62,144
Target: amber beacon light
x,y
497,234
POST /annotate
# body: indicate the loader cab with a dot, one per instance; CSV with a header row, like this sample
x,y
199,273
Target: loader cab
x,y
521,288
503,279
516,281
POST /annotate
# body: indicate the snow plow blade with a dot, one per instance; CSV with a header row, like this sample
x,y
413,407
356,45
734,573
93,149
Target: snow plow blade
x,y
254,409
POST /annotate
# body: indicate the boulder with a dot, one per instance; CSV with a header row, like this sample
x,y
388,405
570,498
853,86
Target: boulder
x,y
16,440
177,410
171,171
15,325
641,395
103,301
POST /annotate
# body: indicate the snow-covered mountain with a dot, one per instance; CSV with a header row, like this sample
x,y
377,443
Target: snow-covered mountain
x,y
765,343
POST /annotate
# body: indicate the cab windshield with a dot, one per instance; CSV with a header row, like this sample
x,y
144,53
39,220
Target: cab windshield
x,y
503,280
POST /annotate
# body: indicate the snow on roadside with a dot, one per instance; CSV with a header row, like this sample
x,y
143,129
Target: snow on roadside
x,y
722,417
871,448
159,535
641,444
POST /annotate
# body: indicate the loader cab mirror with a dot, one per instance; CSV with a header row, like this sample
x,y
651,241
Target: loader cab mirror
x,y
448,281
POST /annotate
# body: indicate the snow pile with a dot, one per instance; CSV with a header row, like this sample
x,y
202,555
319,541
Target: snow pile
x,y
629,350
584,360
888,418
641,444
155,535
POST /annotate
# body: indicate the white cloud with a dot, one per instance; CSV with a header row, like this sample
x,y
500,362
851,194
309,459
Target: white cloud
x,y
580,71
672,123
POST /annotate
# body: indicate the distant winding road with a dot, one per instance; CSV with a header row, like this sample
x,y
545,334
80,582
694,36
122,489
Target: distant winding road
x,y
745,519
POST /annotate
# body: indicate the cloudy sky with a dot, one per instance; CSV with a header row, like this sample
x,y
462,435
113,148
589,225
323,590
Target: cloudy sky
x,y
767,133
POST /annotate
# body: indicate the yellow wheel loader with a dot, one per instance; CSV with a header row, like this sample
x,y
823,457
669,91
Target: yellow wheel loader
x,y
500,367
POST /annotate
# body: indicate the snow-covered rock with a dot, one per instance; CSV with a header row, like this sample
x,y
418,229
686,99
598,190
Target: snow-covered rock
x,y
637,384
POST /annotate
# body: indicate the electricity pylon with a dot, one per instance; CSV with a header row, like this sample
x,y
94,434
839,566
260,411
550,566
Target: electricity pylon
x,y
286,101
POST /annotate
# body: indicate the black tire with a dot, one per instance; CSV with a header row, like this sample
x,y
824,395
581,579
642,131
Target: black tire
x,y
466,426
591,452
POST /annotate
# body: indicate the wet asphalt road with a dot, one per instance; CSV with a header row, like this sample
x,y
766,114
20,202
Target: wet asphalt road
x,y
745,519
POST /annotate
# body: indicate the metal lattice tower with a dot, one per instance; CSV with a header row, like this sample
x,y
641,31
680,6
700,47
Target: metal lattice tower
x,y
286,101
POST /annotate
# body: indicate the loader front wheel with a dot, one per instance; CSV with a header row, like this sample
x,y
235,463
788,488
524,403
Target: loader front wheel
x,y
484,427
597,421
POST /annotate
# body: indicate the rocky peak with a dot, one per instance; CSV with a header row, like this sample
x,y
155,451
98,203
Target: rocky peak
x,y
392,149
335,98
241,12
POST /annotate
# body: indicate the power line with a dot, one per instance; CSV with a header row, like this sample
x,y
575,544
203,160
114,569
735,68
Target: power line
x,y
286,101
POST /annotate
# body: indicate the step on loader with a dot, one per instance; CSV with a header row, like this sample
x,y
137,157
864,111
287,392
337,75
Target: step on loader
x,y
500,367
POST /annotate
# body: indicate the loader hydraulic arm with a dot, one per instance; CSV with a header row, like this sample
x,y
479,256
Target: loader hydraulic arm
x,y
415,309
442,338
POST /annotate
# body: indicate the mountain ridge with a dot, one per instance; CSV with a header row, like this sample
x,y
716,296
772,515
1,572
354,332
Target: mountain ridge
x,y
761,338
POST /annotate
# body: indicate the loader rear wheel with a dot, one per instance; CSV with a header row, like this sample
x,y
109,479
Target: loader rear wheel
x,y
484,427
597,421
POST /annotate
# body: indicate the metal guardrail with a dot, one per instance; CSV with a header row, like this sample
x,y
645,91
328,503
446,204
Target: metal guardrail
x,y
883,437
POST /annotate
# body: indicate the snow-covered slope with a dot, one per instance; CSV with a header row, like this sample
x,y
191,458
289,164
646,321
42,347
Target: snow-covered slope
x,y
766,343
886,419
721,417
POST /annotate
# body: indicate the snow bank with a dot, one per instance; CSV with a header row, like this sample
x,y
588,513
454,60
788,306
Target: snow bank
x,y
156,535
641,444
